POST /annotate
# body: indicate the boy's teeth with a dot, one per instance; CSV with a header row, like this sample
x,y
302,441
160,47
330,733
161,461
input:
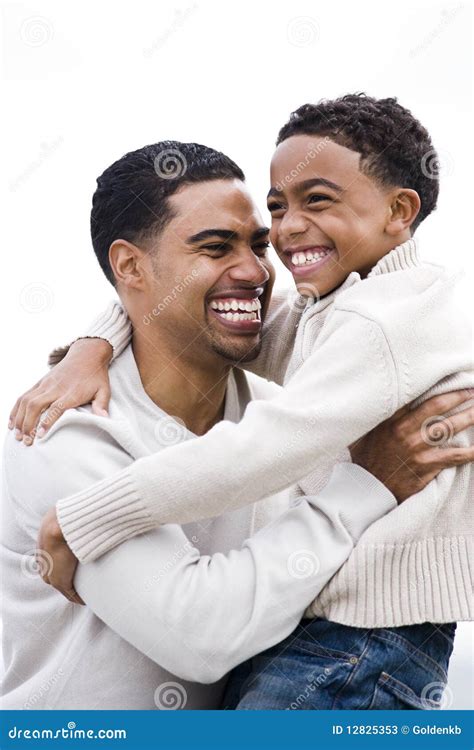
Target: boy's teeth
x,y
308,257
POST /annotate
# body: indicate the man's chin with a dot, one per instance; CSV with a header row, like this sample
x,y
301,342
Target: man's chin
x,y
238,353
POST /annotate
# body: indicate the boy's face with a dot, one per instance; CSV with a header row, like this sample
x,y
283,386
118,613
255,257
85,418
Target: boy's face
x,y
328,218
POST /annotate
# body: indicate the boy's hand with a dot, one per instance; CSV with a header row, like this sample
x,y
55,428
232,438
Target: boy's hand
x,y
410,449
80,378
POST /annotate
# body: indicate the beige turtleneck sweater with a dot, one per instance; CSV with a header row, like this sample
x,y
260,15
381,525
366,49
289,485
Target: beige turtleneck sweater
x,y
347,361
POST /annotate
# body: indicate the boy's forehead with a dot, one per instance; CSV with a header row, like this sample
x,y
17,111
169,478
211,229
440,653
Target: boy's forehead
x,y
304,157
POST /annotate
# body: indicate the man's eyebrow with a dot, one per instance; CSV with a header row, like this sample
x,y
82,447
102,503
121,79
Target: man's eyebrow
x,y
205,234
306,184
224,234
260,233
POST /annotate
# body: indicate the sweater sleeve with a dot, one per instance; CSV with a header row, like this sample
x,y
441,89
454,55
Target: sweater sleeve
x,y
112,324
341,392
178,614
159,593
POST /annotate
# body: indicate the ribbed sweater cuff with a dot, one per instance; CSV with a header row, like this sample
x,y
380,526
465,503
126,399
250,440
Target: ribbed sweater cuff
x,y
98,519
112,325
361,498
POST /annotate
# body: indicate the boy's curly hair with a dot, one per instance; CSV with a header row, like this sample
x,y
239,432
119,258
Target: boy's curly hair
x,y
394,146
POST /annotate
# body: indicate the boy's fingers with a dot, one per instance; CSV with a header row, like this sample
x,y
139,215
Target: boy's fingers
x,y
55,410
34,409
13,420
100,402
20,416
13,413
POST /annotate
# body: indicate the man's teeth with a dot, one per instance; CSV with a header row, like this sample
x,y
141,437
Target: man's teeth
x,y
308,257
237,309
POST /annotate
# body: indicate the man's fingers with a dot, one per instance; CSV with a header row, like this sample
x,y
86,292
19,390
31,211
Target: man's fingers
x,y
443,458
72,596
461,420
439,405
69,593
100,402
400,413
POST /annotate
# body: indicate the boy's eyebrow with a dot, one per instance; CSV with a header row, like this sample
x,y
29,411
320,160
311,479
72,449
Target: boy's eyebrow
x,y
300,187
224,234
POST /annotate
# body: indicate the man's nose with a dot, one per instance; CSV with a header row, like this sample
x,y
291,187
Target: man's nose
x,y
249,268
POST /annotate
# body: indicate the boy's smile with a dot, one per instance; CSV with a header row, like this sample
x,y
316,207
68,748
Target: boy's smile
x,y
328,217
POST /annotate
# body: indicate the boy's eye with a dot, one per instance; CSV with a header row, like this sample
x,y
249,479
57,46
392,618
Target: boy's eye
x,y
272,207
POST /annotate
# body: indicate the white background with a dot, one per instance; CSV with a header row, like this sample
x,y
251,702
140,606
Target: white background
x,y
84,83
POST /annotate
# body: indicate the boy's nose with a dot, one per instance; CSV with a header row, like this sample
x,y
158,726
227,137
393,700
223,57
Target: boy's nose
x,y
293,223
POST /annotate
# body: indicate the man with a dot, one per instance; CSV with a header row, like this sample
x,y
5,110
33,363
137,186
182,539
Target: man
x,y
177,605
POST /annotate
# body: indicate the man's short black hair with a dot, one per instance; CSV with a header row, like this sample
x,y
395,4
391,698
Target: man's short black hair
x,y
394,147
131,199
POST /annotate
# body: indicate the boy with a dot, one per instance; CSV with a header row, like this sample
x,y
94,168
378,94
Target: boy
x,y
377,329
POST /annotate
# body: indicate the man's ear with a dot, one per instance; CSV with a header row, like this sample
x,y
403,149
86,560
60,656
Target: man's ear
x,y
128,264
405,205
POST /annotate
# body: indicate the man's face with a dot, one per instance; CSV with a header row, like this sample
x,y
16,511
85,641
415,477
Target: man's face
x,y
328,218
212,277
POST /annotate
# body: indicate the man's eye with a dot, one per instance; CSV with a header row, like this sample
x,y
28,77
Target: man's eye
x,y
261,248
317,198
216,248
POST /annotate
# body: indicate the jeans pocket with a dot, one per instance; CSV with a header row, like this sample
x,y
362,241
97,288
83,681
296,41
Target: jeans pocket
x,y
392,694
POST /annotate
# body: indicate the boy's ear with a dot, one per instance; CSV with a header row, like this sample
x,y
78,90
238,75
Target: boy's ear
x,y
127,262
405,205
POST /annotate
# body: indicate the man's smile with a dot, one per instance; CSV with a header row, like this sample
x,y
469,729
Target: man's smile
x,y
238,310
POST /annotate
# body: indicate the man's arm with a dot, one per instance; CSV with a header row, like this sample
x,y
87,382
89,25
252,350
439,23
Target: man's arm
x,y
198,616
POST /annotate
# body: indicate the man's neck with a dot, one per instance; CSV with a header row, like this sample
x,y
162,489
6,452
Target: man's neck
x,y
192,391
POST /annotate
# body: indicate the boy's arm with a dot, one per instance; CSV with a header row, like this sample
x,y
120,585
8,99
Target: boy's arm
x,y
333,400
112,325
342,391
161,595
80,369
284,310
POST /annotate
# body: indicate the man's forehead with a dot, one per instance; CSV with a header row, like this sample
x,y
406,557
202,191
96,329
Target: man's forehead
x,y
217,204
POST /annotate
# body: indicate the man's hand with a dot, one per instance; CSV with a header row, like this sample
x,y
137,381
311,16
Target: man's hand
x,y
410,449
80,378
62,562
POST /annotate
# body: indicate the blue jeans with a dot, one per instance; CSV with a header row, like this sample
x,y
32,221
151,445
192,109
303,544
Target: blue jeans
x,y
326,666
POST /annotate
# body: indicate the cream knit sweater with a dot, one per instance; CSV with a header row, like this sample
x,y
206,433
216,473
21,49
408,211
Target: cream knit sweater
x,y
347,362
